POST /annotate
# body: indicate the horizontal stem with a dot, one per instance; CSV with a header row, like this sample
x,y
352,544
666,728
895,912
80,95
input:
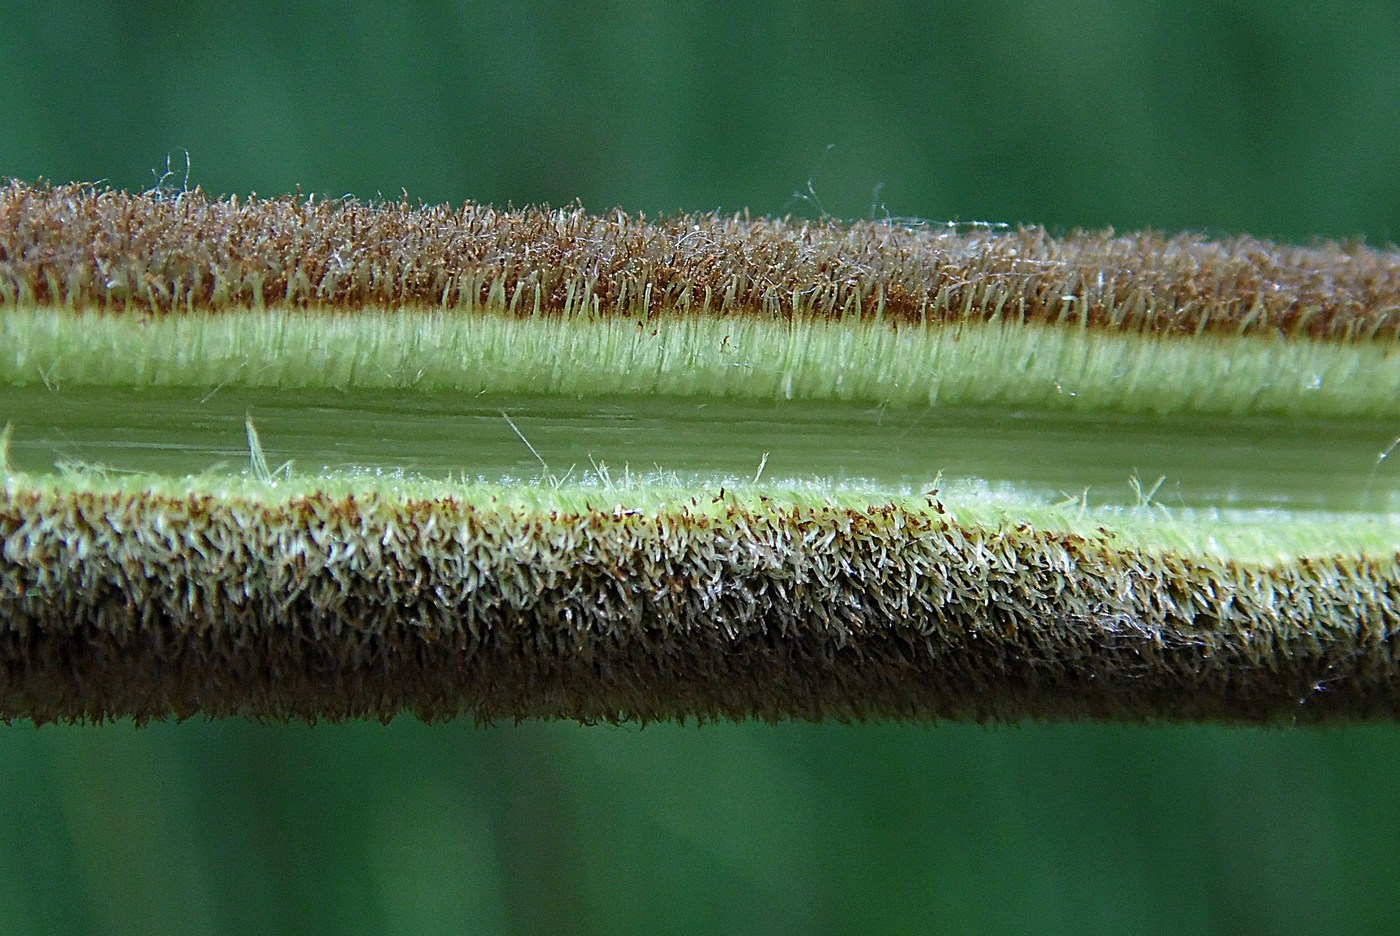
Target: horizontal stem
x,y
312,592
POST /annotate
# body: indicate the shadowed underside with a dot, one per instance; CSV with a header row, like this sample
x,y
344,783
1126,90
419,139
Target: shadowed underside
x,y
147,606
118,601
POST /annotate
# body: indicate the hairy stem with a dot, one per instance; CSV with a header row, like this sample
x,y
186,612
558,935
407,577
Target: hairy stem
x,y
300,459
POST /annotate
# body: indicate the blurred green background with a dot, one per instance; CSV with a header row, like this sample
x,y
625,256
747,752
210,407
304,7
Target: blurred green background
x,y
1275,118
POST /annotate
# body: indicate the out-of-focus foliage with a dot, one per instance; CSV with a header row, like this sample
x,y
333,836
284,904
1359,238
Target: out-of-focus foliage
x,y
1274,118
232,827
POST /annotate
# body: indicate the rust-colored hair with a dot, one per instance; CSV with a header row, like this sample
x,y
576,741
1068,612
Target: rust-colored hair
x,y
174,251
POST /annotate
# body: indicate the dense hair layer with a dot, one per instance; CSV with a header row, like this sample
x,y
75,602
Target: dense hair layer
x,y
165,251
145,605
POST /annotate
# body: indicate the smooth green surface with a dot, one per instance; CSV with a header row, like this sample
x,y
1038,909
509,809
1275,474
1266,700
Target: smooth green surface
x,y
473,351
1225,463
1278,118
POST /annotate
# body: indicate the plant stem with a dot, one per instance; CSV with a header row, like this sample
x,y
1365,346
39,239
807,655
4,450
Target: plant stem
x,y
878,481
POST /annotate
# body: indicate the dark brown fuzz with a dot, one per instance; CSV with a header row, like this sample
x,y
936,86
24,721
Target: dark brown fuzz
x,y
148,606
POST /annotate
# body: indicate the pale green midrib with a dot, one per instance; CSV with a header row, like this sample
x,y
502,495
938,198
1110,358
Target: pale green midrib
x,y
908,369
739,357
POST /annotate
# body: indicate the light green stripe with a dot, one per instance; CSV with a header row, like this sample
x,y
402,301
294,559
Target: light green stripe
x,y
741,358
